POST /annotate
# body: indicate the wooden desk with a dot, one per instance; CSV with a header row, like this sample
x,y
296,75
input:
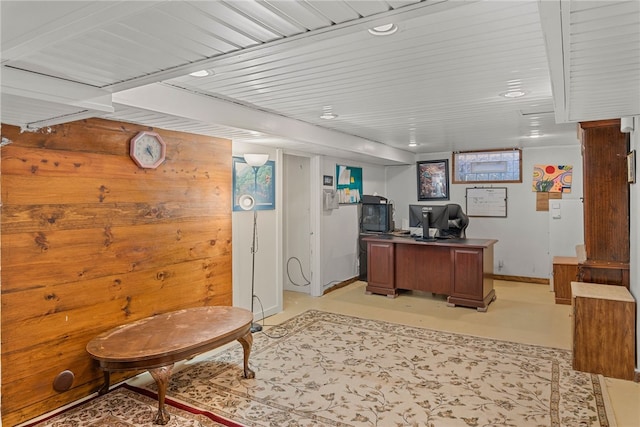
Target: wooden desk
x,y
156,343
462,269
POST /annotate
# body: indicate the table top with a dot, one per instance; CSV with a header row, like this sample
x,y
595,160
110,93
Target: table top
x,y
565,260
477,243
600,291
167,338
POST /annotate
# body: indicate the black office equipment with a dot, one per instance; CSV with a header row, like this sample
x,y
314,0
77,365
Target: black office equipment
x,y
377,218
429,216
449,225
370,200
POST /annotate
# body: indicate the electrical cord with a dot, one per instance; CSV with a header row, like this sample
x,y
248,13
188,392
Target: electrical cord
x,y
284,331
275,328
301,272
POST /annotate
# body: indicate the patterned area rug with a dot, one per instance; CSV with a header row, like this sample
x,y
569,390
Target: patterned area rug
x,y
327,369
129,407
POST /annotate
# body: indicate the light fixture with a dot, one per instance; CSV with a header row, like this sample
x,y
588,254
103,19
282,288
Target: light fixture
x,y
248,202
256,160
513,93
535,133
327,114
202,73
383,30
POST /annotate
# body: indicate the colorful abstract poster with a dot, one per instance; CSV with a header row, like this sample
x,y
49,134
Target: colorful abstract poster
x,y
552,178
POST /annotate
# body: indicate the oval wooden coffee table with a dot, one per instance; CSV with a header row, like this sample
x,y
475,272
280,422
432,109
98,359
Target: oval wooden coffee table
x,y
156,343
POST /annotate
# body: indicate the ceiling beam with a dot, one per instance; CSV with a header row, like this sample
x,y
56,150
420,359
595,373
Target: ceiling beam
x,y
555,29
39,87
167,99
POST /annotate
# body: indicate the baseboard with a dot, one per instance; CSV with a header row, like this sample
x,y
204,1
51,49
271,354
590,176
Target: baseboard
x,y
523,279
341,285
537,280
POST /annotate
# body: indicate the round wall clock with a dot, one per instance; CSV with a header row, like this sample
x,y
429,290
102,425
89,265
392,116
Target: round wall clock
x,y
147,150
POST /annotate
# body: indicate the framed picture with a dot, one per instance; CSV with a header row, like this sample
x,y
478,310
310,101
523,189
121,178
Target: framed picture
x,y
631,167
259,183
433,179
327,180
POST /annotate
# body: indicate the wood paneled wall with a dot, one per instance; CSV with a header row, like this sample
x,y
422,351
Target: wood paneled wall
x,y
91,241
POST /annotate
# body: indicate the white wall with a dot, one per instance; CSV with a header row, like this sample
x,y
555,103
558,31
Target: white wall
x,y
339,228
338,234
523,242
297,223
268,264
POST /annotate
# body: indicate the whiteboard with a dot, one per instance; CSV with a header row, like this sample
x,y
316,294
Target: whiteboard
x,y
487,201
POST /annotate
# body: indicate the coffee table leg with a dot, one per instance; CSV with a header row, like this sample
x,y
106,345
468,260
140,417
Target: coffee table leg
x,y
247,342
161,375
107,381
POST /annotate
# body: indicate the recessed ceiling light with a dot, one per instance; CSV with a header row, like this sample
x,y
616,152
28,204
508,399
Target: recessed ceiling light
x,y
202,73
413,144
514,93
328,115
383,30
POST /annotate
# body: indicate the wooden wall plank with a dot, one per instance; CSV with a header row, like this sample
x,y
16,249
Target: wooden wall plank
x,y
67,256
90,241
36,218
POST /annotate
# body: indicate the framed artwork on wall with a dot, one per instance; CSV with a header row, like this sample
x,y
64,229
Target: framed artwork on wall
x,y
433,179
552,178
258,183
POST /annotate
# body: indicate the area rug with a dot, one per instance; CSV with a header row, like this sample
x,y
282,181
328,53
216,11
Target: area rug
x,y
324,369
127,406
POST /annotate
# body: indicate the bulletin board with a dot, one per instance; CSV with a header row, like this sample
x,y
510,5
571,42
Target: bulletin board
x,y
487,201
349,184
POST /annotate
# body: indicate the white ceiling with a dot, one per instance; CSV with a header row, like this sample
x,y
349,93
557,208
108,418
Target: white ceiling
x,y
278,64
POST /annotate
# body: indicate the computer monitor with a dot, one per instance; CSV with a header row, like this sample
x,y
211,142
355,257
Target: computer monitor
x,y
429,216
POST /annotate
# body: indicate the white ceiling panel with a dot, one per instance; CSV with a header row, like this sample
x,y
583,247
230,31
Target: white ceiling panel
x,y
436,81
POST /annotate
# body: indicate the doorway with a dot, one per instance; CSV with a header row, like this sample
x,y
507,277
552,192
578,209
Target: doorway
x,y
297,227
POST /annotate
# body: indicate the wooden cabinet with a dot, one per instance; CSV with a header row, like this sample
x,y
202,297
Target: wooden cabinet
x,y
603,330
565,271
606,203
381,268
472,278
